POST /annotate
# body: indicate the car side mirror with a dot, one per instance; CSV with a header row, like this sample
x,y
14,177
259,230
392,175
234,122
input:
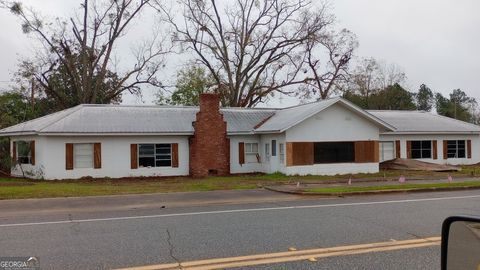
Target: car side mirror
x,y
461,243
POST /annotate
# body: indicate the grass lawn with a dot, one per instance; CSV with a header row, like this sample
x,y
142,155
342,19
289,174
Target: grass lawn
x,y
16,188
340,190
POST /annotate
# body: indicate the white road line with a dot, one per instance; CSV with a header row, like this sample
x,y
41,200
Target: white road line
x,y
239,211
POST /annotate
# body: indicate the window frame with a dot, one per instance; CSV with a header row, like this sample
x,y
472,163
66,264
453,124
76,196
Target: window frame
x,y
155,155
75,154
457,149
421,149
28,144
347,158
281,152
251,152
267,151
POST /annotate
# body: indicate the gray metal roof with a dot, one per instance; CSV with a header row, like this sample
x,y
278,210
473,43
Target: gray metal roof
x,y
113,119
125,119
424,122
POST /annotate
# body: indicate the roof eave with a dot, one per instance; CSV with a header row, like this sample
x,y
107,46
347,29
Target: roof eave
x,y
430,132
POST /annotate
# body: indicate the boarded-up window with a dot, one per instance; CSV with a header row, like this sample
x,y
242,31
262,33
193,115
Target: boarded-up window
x,y
334,152
300,153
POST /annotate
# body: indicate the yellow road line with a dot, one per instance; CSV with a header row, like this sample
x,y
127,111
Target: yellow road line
x,y
289,256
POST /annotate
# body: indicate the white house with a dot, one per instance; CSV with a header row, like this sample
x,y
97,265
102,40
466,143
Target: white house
x,y
327,137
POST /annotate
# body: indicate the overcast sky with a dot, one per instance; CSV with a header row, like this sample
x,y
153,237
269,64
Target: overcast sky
x,y
436,42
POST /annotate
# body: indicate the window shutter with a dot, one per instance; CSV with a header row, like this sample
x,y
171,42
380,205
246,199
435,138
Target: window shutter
x,y
469,148
133,156
409,149
367,151
14,152
32,152
175,155
97,155
241,153
397,149
434,149
300,153
445,150
69,156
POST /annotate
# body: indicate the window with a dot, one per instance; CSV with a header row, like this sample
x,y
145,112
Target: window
x,y
83,155
334,152
387,151
456,149
24,152
281,149
421,149
274,148
251,153
155,155
267,151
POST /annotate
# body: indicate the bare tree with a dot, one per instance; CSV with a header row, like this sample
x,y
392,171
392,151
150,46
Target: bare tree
x,y
370,76
330,74
78,62
252,48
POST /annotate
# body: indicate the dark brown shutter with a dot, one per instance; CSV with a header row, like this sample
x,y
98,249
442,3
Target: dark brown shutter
x,y
409,149
397,149
32,152
367,151
97,155
469,148
445,149
69,156
175,155
434,149
133,156
299,153
241,153
376,151
14,152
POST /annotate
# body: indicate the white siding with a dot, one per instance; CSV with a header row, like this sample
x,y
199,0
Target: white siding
x,y
440,138
235,166
115,157
335,123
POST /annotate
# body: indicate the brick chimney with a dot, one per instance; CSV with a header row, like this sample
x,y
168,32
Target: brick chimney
x,y
209,146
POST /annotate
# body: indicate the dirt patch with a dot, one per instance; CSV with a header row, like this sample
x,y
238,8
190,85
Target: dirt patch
x,y
15,184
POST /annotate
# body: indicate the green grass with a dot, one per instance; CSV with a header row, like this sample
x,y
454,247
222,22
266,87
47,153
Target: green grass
x,y
16,188
340,190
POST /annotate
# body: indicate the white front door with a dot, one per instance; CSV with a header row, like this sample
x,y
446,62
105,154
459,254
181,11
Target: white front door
x,y
387,151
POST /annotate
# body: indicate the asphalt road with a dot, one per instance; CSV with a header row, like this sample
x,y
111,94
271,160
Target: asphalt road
x,y
134,236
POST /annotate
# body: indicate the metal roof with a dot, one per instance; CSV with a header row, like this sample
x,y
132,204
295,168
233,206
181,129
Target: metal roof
x,y
424,122
115,119
127,119
289,117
